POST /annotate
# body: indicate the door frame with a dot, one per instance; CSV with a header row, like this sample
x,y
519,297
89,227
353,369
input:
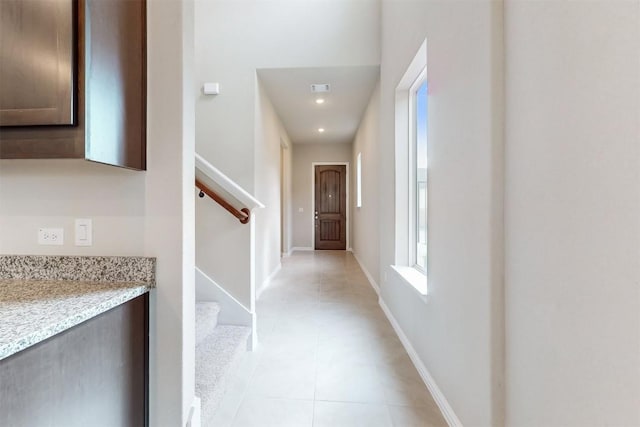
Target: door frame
x,y
313,202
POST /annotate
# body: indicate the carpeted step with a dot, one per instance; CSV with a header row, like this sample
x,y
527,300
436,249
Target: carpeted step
x,y
217,358
206,319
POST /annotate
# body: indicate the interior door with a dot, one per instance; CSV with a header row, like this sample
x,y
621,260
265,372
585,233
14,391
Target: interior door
x,y
331,207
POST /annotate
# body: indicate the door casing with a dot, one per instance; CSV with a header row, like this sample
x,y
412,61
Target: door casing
x,y
313,201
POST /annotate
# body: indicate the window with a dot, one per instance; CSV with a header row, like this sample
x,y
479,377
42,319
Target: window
x,y
359,181
418,172
411,187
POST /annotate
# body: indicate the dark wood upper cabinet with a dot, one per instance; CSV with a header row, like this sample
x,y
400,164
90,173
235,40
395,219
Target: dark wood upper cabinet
x,y
115,82
37,71
107,96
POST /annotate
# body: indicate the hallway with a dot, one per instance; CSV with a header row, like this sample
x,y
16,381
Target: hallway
x,y
327,355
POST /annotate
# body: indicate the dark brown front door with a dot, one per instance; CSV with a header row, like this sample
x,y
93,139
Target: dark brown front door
x,y
331,207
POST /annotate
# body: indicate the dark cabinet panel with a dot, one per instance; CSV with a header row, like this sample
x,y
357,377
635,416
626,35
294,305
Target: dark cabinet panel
x,y
116,82
111,86
95,374
36,62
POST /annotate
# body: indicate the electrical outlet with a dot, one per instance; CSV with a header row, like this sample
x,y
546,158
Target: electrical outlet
x,y
50,236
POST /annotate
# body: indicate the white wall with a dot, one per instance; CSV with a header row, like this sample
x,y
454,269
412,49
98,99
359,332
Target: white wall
x,y
52,193
303,157
222,249
235,38
269,132
223,243
364,220
169,222
457,333
573,213
287,207
134,213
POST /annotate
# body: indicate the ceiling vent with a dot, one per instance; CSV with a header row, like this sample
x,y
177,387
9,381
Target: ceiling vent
x,y
317,88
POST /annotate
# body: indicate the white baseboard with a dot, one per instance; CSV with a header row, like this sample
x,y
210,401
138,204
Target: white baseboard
x,y
440,399
232,311
287,253
301,248
195,413
373,283
267,281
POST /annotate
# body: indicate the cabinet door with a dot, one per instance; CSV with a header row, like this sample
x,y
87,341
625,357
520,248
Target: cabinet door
x,y
94,374
36,62
115,82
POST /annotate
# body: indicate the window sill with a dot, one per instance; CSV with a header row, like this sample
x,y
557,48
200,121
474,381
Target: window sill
x,y
412,277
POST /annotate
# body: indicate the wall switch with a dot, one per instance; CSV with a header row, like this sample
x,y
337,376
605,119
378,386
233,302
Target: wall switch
x,y
300,210
51,236
84,232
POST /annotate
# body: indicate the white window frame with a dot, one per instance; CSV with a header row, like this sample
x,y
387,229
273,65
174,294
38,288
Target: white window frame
x,y
405,174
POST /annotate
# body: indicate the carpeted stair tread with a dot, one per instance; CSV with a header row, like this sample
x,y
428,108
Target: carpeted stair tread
x,y
217,357
206,319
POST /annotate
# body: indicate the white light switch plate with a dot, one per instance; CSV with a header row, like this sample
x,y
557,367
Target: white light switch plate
x,y
84,232
51,236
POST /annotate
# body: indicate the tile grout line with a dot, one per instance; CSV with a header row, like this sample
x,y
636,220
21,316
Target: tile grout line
x,y
317,347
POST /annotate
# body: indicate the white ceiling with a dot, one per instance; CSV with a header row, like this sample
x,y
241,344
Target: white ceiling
x,y
290,92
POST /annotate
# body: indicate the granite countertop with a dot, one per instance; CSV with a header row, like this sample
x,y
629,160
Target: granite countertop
x,y
41,296
34,310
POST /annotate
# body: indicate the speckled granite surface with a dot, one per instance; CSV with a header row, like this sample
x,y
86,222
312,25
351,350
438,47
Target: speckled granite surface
x,y
89,268
41,296
32,311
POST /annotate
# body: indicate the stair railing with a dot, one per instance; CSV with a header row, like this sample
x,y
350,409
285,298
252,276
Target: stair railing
x,y
243,215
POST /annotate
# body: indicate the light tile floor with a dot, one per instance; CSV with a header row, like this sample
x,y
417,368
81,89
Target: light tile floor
x,y
327,355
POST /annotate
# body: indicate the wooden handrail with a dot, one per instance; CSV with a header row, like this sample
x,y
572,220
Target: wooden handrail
x,y
243,215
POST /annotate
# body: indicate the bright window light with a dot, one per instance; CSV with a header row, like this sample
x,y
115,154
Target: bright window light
x,y
419,166
359,181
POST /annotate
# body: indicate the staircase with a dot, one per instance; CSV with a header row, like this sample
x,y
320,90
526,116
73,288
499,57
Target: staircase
x,y
219,349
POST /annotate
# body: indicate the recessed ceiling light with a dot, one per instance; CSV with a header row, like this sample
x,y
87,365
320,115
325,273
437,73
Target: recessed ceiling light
x,y
320,101
320,130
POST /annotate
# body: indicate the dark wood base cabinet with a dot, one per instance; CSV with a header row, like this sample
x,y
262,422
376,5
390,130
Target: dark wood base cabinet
x,y
94,374
109,85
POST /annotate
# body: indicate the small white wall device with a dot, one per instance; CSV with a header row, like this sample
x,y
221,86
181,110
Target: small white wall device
x,y
211,88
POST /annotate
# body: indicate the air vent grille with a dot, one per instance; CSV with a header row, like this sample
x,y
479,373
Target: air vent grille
x,y
320,87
